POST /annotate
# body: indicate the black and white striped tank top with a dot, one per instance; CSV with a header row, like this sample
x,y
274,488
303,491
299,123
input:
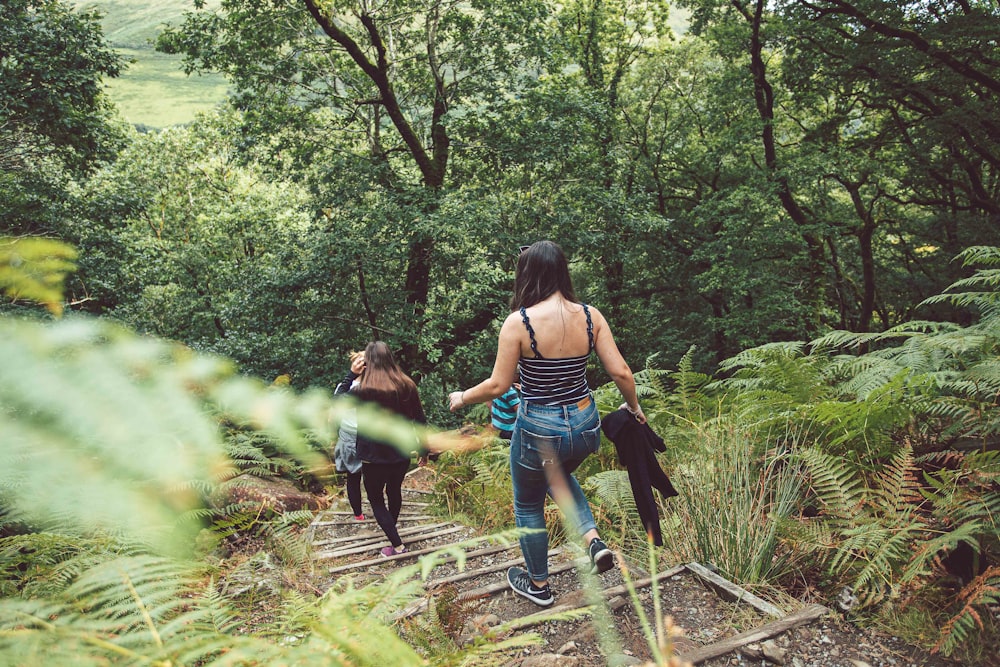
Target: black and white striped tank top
x,y
554,381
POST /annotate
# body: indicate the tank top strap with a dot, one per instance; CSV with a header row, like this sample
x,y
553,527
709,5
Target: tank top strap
x,y
531,332
590,326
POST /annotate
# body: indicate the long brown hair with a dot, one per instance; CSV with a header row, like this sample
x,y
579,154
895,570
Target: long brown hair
x,y
382,373
542,270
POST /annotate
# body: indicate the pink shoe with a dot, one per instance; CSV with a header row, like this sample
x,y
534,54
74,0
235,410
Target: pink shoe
x,y
359,517
389,551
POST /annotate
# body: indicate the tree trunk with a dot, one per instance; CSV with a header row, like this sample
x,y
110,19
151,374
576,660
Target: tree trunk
x,y
764,100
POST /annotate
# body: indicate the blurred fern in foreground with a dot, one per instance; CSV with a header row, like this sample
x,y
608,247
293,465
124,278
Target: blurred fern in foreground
x,y
109,441
33,269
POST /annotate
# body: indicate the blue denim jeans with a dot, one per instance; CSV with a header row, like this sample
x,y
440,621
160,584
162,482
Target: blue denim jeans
x,y
549,442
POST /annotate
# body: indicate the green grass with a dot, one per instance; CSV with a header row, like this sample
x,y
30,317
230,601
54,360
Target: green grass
x,y
154,90
135,23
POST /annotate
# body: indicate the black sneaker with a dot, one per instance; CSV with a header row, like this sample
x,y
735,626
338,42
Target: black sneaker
x,y
521,584
602,558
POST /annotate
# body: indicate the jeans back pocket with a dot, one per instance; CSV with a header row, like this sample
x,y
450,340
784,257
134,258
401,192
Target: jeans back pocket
x,y
538,450
587,442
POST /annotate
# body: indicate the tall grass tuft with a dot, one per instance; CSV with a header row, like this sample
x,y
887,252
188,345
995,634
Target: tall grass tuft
x,y
733,503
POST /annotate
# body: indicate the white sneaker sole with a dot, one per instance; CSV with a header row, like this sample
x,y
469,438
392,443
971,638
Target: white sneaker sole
x,y
603,561
528,596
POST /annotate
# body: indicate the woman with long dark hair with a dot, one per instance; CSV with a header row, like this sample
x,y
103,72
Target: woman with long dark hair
x,y
384,465
544,344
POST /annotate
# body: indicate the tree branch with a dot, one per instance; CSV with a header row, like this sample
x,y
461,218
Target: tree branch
x,y
379,75
918,42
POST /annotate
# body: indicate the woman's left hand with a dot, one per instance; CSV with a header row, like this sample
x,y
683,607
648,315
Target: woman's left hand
x,y
455,400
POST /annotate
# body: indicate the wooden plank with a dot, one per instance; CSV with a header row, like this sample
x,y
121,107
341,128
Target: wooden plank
x,y
805,615
491,589
412,516
374,537
617,592
645,581
483,591
414,534
417,553
472,574
474,594
727,590
369,523
311,531
326,555
347,539
401,514
366,522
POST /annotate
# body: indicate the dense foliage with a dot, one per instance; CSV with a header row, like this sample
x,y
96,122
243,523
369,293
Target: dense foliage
x,y
764,178
769,174
54,117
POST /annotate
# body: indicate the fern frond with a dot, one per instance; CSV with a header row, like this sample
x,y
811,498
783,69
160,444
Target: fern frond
x,y
840,340
931,550
691,390
950,409
980,254
611,489
491,465
814,535
897,486
33,269
297,615
836,485
289,540
983,462
141,609
44,564
880,551
762,355
136,591
978,595
219,616
70,435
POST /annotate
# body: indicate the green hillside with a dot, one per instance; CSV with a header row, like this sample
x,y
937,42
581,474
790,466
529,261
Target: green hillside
x,y
135,23
154,91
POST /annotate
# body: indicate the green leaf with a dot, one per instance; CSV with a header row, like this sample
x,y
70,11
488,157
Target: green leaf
x,y
33,269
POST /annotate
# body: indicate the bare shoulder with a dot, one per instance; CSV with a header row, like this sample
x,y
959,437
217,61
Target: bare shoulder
x,y
602,330
512,327
511,320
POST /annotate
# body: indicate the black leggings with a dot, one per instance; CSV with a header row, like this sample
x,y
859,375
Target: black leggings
x,y
354,492
387,477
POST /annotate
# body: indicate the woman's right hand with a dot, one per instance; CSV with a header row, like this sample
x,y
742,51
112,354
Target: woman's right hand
x,y
637,413
455,400
358,365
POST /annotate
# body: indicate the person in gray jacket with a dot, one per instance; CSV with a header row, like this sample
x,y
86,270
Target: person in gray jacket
x,y
345,453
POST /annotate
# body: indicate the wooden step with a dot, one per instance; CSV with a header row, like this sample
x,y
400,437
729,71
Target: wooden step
x,y
377,536
489,551
413,534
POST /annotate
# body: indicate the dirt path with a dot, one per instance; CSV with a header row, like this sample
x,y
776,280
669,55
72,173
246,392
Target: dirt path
x,y
475,602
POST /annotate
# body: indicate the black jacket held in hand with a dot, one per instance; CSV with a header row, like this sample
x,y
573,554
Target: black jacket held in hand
x,y
635,443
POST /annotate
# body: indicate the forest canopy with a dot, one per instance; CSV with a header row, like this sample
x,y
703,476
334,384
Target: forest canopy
x,y
774,172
